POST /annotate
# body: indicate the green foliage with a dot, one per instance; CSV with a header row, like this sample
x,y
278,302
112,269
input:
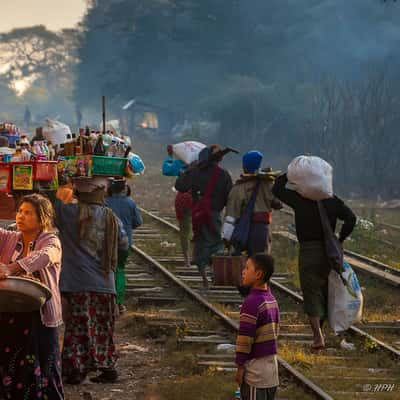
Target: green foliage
x,y
370,346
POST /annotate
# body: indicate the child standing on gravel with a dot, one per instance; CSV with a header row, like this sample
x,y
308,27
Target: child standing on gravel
x,y
256,343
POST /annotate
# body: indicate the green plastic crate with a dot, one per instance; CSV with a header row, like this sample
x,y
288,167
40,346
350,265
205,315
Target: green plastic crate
x,y
112,166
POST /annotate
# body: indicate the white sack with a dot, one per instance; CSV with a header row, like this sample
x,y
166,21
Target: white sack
x,y
311,177
345,301
55,131
188,152
111,125
127,140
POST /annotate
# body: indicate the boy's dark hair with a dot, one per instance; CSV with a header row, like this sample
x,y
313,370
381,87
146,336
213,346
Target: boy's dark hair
x,y
265,263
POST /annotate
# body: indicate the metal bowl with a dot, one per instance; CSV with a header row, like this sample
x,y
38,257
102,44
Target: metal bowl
x,y
19,294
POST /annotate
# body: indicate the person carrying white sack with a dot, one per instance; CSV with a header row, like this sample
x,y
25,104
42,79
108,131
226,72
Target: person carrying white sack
x,y
313,178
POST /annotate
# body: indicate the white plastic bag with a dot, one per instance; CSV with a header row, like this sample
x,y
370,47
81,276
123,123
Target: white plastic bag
x,y
226,347
345,301
311,177
228,228
55,131
188,152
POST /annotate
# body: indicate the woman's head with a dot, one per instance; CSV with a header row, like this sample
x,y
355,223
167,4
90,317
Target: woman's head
x,y
211,153
35,214
118,186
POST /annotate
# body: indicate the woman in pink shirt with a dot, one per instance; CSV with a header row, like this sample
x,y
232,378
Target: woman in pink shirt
x,y
30,365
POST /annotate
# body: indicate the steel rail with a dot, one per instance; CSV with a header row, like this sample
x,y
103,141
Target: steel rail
x,y
384,224
375,263
315,389
159,219
352,328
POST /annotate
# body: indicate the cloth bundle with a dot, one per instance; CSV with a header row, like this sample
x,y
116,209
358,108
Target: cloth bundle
x,y
311,177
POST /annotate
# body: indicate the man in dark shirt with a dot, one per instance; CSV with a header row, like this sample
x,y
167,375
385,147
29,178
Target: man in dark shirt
x,y
313,263
209,184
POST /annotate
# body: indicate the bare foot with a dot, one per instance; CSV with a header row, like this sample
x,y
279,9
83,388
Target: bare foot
x,y
318,345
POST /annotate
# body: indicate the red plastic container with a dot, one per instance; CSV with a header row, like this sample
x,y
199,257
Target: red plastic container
x,y
44,170
5,178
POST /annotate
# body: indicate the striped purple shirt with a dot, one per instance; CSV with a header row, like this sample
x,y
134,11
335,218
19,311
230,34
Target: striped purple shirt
x,y
259,326
44,258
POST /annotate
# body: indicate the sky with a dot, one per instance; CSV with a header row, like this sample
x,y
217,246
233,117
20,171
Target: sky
x,y
55,14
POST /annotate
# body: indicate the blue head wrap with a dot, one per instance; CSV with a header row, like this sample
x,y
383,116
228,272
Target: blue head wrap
x,y
252,161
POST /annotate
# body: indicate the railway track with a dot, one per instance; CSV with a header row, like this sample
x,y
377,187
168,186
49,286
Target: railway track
x,y
361,263
157,288
390,226
332,374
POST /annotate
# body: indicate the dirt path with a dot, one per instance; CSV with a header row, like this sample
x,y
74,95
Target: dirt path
x,y
138,367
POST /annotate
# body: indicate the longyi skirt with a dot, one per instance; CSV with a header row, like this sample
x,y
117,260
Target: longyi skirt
x,y
30,365
89,333
314,271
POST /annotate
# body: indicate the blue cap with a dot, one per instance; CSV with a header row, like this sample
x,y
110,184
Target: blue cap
x,y
252,161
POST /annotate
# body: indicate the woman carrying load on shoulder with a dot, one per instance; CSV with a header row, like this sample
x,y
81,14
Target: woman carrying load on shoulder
x,y
91,236
239,197
30,364
183,204
313,260
258,240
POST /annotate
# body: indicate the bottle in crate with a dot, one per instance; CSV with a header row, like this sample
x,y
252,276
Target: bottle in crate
x,y
69,146
99,149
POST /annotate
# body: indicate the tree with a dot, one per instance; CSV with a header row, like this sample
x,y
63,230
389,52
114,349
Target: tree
x,y
169,51
35,53
354,126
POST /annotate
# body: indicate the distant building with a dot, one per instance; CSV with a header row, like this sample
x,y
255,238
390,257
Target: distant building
x,y
139,117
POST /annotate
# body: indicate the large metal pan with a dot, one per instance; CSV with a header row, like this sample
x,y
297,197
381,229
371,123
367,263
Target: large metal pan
x,y
18,294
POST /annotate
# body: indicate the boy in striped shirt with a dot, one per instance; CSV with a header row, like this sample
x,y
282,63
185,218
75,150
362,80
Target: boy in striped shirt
x,y
256,344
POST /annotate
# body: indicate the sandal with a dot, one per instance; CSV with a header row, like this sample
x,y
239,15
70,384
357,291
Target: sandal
x,y
75,378
107,376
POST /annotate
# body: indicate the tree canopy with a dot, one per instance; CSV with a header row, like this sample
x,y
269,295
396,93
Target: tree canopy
x,y
288,76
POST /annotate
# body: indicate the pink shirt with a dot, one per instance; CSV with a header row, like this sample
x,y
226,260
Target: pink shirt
x,y
44,258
